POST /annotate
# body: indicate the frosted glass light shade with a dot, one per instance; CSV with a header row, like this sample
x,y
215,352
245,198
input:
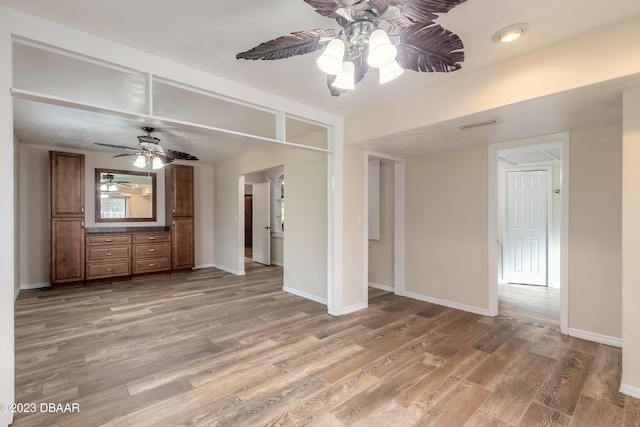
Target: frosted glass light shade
x,y
157,163
346,79
112,187
140,162
103,187
390,72
381,51
331,59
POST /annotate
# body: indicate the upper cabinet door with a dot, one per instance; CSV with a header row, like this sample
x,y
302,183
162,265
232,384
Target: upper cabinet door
x,y
181,190
67,184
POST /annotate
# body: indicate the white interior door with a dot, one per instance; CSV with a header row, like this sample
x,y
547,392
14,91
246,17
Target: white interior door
x,y
261,223
526,220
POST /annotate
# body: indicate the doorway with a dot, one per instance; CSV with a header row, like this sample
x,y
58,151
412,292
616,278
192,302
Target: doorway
x,y
384,225
528,230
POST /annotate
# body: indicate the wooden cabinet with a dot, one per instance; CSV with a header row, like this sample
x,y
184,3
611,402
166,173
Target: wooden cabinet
x,y
180,215
108,256
179,184
151,253
67,185
182,243
67,217
67,250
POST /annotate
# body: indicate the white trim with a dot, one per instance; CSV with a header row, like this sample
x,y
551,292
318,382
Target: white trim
x,y
201,266
335,220
446,303
29,286
563,139
595,337
230,270
353,308
305,295
116,112
386,288
564,234
398,217
630,390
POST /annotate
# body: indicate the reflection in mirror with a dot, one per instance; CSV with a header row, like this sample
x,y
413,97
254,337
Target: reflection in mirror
x,y
125,196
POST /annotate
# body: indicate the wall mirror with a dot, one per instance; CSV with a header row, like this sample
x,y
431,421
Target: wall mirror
x,y
125,196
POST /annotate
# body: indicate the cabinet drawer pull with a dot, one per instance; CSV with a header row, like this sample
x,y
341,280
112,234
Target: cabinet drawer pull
x,y
108,270
152,250
151,264
152,238
107,240
108,254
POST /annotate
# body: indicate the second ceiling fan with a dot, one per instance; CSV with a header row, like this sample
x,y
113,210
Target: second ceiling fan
x,y
150,153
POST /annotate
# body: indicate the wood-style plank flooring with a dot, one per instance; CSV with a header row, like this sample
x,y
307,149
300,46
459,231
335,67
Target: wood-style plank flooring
x,y
209,348
539,305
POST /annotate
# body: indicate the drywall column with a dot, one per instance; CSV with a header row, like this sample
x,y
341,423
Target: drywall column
x,y
7,271
631,244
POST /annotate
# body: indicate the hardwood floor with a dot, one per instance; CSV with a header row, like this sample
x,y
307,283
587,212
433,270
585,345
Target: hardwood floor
x,y
209,348
539,305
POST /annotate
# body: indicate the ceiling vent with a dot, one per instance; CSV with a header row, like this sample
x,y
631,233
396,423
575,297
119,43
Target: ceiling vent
x,y
488,122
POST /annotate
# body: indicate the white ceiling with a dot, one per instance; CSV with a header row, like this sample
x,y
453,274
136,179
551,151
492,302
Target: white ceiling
x,y
208,34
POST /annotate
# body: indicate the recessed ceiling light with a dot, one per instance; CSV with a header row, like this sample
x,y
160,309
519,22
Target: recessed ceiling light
x,y
509,33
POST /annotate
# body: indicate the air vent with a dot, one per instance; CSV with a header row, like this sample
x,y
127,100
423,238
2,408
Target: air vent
x,y
488,122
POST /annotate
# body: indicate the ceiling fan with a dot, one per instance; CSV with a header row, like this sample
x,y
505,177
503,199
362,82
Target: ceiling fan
x,y
108,183
150,153
412,41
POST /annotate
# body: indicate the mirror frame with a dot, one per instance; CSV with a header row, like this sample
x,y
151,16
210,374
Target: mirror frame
x,y
154,198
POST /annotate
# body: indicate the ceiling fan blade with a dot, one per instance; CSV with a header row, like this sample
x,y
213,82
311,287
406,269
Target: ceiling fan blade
x,y
429,47
328,8
120,147
416,11
126,154
361,70
172,155
298,43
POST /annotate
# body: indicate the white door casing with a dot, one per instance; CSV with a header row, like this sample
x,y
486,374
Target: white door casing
x,y
526,226
261,223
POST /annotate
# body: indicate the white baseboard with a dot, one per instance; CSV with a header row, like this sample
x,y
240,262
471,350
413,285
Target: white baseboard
x,y
386,288
306,295
280,264
34,286
446,303
630,390
229,270
199,267
353,308
599,338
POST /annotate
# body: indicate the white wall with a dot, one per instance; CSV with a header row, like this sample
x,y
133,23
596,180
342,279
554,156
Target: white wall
x,y
555,68
203,214
8,228
354,233
631,244
305,251
595,231
446,228
381,252
34,208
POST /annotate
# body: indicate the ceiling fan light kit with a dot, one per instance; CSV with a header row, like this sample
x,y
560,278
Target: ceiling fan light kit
x,y
150,154
411,41
346,78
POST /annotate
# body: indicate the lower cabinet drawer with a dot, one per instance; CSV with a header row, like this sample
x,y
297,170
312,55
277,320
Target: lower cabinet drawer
x,y
149,265
107,253
155,250
98,271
